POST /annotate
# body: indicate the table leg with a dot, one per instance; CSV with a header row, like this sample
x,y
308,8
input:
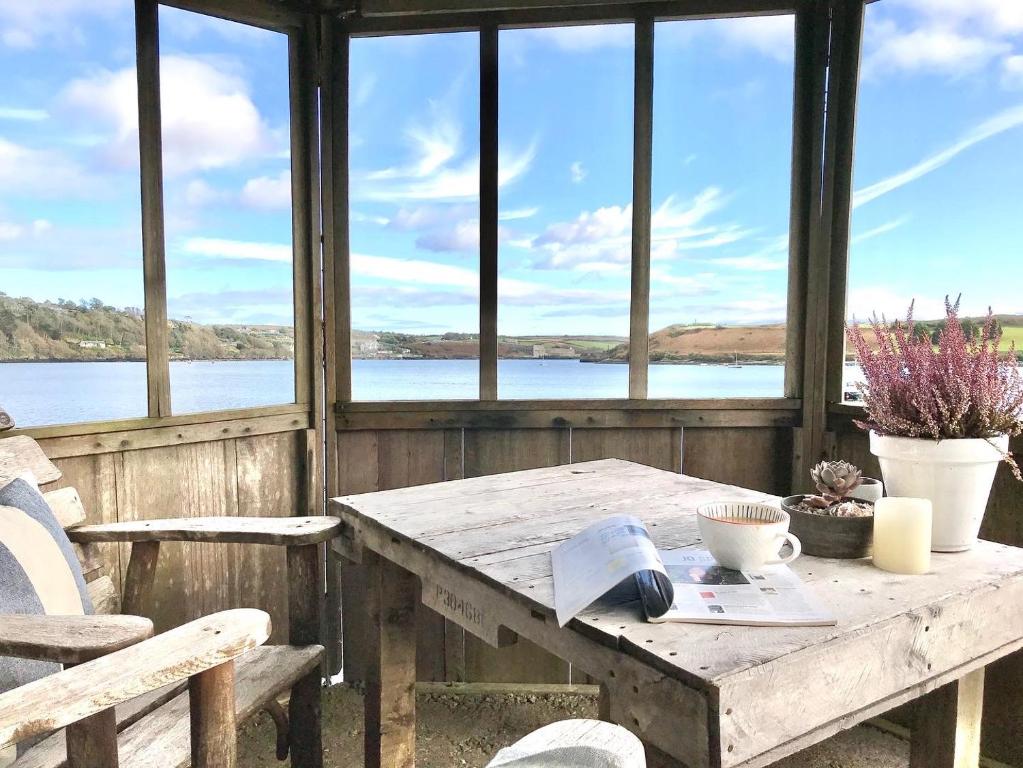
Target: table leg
x,y
391,677
946,729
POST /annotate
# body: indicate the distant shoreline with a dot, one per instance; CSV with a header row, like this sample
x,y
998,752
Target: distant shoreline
x,y
722,362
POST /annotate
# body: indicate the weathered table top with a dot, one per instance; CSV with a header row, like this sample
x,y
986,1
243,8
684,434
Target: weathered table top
x,y
709,695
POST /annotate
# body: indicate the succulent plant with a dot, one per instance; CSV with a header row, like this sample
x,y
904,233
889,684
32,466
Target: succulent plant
x,y
835,480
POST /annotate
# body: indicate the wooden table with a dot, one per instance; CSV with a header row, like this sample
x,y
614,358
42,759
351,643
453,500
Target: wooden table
x,y
704,695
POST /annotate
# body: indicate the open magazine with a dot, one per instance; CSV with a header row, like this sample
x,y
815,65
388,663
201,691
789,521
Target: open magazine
x,y
676,585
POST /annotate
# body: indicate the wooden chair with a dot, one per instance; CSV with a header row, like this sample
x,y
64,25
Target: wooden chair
x,y
154,730
83,698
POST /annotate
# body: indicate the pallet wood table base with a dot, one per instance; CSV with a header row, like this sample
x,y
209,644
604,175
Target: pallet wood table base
x,y
700,696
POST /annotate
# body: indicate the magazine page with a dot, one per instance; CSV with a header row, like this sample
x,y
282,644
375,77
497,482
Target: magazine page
x,y
592,562
704,592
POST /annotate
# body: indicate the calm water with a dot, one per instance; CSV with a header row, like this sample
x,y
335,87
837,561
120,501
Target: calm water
x,y
59,393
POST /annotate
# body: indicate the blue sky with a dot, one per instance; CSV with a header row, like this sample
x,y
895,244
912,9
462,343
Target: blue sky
x,y
938,201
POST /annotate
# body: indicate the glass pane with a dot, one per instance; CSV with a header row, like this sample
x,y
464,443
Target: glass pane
x,y
70,234
721,178
938,164
566,210
414,216
227,169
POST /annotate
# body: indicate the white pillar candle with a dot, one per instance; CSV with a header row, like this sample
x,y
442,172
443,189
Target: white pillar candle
x,y
902,535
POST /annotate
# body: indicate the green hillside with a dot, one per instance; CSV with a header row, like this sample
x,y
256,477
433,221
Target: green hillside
x,y
91,330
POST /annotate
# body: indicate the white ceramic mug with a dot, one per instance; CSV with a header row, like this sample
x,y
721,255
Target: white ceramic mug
x,y
745,536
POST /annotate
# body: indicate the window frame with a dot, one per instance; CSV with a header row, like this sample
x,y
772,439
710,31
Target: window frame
x,y
643,16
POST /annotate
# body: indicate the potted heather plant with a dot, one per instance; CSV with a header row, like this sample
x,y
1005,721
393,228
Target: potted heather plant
x,y
837,521
940,416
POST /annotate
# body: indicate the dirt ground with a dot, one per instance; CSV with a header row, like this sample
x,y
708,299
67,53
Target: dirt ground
x,y
456,731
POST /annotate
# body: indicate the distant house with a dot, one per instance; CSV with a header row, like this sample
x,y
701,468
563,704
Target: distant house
x,y
369,346
90,344
539,351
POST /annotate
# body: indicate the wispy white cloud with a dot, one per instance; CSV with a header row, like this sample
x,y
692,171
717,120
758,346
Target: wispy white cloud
x,y
881,229
520,213
209,118
930,49
993,126
1012,72
219,248
268,193
577,171
439,166
23,114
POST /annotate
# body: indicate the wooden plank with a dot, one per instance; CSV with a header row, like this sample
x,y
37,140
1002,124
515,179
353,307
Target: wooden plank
x,y
608,404
807,113
517,418
70,639
20,454
138,581
69,696
751,458
390,703
642,174
52,751
94,479
185,481
284,531
947,729
67,506
335,211
490,451
213,726
93,741
489,194
104,596
659,448
129,425
303,80
155,732
158,437
305,597
842,98
275,16
465,16
154,263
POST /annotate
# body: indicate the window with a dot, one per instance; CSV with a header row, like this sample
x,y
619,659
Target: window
x,y
938,162
414,216
565,230
720,201
71,288
227,192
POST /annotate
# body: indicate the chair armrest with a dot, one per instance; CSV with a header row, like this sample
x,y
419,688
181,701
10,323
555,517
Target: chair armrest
x,y
59,700
282,531
70,639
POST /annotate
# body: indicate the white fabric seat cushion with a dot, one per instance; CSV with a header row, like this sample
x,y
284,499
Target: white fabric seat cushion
x,y
574,744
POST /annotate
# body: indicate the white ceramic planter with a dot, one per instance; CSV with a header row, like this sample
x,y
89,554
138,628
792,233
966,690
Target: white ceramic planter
x,y
956,475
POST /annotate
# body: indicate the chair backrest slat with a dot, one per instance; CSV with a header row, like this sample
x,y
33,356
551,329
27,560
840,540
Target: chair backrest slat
x,y
67,507
20,454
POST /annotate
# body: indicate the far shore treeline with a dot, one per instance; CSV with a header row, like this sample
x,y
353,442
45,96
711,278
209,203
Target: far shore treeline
x,y
90,330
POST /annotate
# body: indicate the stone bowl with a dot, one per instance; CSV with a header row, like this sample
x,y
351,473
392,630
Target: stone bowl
x,y
826,536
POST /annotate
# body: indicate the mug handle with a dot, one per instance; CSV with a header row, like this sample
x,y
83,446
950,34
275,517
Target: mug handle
x,y
797,548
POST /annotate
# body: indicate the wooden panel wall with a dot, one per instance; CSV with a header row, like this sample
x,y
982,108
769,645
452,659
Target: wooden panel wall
x,y
379,459
259,476
1002,733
